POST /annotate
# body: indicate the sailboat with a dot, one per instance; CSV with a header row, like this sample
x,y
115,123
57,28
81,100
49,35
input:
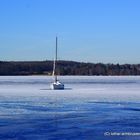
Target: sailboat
x,y
56,85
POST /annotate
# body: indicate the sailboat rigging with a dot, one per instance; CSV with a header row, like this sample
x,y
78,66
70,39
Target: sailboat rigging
x,y
56,84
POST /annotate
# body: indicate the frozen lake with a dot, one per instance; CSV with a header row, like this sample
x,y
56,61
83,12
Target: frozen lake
x,y
90,108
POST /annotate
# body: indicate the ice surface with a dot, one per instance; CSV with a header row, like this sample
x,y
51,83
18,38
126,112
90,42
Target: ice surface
x,y
88,107
111,88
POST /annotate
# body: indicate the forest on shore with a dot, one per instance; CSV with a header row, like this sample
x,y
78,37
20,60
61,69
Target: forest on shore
x,y
66,68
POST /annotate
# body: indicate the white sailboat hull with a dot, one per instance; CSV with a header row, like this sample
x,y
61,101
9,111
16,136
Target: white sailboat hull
x,y
57,86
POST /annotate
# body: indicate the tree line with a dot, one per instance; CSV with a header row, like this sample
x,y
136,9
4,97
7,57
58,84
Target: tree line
x,y
66,68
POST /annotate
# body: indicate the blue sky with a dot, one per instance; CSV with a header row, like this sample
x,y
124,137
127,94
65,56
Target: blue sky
x,y
105,31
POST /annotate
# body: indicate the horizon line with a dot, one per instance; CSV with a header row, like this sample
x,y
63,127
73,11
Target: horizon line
x,y
69,61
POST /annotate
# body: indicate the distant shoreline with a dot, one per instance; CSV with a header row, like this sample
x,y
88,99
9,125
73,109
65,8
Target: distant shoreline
x,y
38,68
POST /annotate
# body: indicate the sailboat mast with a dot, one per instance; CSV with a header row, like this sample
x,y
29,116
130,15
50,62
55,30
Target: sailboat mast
x,y
56,50
56,61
